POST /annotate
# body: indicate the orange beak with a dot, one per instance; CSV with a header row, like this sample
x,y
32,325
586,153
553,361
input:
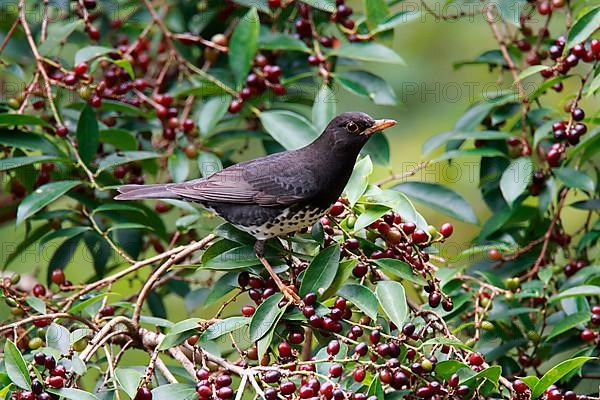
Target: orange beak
x,y
379,125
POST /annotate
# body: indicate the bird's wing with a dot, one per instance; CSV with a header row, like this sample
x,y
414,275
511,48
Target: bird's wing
x,y
267,182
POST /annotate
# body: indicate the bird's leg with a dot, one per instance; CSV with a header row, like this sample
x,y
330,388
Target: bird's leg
x,y
259,249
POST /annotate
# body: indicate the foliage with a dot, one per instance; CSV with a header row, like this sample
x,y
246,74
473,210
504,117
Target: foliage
x,y
141,94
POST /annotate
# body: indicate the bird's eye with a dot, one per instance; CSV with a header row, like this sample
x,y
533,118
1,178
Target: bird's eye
x,y
351,127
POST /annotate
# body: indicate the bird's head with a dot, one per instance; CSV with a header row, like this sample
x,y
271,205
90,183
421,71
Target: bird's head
x,y
354,128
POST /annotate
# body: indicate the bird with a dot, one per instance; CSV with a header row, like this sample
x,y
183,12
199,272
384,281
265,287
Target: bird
x,y
280,193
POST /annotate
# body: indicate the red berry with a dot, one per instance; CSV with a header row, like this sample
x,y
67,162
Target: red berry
x,y
306,392
286,388
333,347
310,298
188,125
336,370
476,359
446,229
58,276
578,114
359,374
56,381
235,106
248,311
38,290
434,299
519,386
80,69
587,335
285,350
143,393
59,370
93,33
336,209
274,3
62,131
419,236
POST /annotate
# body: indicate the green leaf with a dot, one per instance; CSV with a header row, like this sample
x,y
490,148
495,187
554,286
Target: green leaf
x,y
21,119
516,178
392,299
567,323
179,165
57,337
446,368
368,51
321,272
269,40
530,381
394,20
367,84
73,394
16,162
592,204
212,112
266,316
490,373
15,366
376,12
243,45
556,373
208,163
532,70
174,391
236,258
41,197
510,10
440,198
325,5
378,148
362,297
376,389
288,128
90,52
122,139
574,179
324,108
36,303
359,180
577,291
126,65
124,157
87,135
225,326
128,379
180,332
585,25
63,233
400,269
370,215
58,33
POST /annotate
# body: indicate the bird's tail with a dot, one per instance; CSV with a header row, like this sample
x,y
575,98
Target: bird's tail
x,y
138,192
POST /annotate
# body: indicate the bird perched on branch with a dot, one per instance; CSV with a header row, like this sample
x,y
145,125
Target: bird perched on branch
x,y
281,193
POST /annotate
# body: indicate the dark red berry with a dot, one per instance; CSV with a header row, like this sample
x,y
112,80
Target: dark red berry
x,y
58,276
248,311
578,114
419,236
359,374
476,359
80,69
38,290
285,350
446,229
56,381
333,347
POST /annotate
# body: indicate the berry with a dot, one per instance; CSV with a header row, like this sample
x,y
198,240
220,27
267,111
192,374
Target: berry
x,y
453,380
578,114
333,347
248,311
419,236
286,388
223,380
446,229
38,290
39,358
434,299
80,69
272,376
235,106
310,298
476,359
59,370
494,255
56,381
285,350
375,336
360,270
50,362
336,370
587,335
359,374
306,392
58,276
62,131
336,209
225,393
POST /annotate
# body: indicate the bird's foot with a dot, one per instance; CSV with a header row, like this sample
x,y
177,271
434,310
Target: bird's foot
x,y
290,294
